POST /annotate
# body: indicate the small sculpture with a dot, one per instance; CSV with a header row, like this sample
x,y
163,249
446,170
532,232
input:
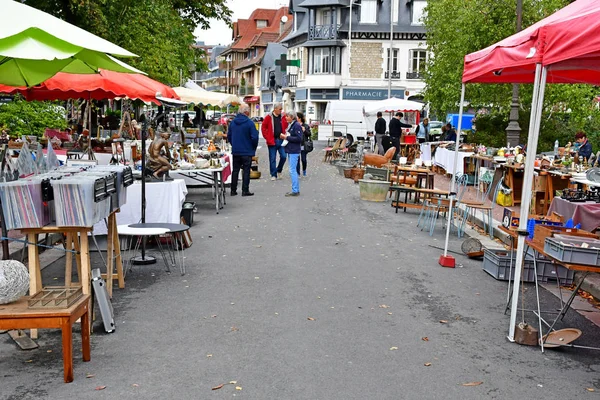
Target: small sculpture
x,y
159,156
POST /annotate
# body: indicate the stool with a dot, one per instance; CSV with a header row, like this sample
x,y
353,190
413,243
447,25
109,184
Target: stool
x,y
141,233
176,231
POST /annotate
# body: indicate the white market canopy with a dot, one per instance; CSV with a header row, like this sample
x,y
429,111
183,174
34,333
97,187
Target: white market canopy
x,y
197,95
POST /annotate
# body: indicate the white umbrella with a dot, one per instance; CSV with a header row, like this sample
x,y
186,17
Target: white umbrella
x,y
34,46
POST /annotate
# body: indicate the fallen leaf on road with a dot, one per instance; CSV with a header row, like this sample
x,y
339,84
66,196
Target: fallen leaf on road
x,y
233,328
232,382
310,318
218,386
472,384
100,387
90,375
48,351
28,361
425,339
384,306
393,348
427,364
590,389
443,321
135,385
209,355
238,388
214,316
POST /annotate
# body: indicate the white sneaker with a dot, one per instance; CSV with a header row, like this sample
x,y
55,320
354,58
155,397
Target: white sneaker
x,y
273,178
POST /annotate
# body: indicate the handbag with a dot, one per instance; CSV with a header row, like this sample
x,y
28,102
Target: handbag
x,y
308,145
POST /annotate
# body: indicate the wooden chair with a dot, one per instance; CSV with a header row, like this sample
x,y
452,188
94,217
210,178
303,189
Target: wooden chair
x,y
486,207
400,177
329,151
341,150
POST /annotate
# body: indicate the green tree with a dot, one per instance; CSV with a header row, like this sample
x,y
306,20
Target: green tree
x,y
459,27
159,31
20,117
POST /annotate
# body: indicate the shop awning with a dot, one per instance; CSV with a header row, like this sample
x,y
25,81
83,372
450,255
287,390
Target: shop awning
x,y
251,99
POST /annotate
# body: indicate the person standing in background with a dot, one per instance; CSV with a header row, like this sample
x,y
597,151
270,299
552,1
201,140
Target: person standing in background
x,y
243,137
585,147
396,126
305,136
379,132
450,133
272,127
423,131
292,148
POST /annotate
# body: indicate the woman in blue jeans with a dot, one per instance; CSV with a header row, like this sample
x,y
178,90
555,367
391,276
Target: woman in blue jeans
x,y
305,136
292,148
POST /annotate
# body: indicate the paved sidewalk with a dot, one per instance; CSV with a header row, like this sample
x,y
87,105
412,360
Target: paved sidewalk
x,y
323,296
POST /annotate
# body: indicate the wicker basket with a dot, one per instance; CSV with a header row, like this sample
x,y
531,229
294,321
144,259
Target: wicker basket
x,y
347,172
357,173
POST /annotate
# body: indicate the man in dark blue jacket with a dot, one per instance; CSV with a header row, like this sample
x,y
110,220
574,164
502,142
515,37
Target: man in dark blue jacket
x,y
585,147
244,140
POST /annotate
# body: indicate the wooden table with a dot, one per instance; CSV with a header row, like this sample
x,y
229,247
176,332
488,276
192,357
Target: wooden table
x,y
554,181
18,316
514,180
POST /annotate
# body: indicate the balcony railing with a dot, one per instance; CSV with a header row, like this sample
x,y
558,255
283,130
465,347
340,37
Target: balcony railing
x,y
323,32
290,80
246,90
395,75
414,75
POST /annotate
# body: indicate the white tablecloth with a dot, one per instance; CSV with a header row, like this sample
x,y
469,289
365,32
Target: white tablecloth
x,y
445,159
163,204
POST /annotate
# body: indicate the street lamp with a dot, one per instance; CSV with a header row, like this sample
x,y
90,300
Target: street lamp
x,y
391,48
513,130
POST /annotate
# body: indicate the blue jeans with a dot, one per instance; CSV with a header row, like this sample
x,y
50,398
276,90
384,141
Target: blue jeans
x,y
275,168
294,158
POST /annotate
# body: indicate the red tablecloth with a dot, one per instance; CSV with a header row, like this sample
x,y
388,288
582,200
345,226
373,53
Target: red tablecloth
x,y
227,169
587,214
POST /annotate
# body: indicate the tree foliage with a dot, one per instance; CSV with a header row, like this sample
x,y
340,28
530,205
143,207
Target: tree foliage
x,y
459,27
20,117
159,31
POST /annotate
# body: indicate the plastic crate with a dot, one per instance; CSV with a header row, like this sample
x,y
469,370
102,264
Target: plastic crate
x,y
548,271
568,250
497,264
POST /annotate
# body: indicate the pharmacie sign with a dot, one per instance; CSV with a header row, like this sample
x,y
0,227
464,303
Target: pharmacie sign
x,y
370,94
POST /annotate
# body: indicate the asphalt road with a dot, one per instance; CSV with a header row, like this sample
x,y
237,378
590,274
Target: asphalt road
x,y
323,296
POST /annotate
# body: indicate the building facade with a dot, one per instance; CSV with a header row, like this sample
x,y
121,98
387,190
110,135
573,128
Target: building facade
x,y
343,48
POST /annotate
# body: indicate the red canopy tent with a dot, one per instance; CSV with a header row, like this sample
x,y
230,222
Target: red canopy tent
x,y
562,48
105,85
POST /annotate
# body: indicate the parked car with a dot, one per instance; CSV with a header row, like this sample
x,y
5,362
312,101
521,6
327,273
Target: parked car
x,y
435,129
176,119
226,119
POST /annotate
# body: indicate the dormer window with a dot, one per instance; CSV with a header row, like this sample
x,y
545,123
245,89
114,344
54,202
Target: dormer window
x,y
368,12
418,11
261,23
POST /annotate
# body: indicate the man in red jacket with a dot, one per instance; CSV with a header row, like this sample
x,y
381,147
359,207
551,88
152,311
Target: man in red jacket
x,y
272,127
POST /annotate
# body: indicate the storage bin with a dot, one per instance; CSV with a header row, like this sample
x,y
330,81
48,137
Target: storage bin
x,y
531,223
569,250
187,212
548,272
497,264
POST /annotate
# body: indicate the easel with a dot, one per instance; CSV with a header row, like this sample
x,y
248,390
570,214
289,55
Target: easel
x,y
76,241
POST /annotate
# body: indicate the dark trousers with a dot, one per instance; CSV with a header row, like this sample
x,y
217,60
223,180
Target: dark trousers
x,y
304,162
243,162
396,144
422,140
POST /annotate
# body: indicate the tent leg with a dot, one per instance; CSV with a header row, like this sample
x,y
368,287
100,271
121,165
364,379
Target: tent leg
x,y
532,142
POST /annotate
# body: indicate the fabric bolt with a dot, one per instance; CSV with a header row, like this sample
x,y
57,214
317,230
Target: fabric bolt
x,y
294,158
587,214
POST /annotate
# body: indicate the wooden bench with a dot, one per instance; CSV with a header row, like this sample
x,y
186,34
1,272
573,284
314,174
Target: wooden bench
x,y
18,316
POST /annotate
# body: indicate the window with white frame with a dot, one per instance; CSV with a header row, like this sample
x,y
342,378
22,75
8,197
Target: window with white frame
x,y
418,59
324,17
395,4
394,60
418,11
368,12
261,23
325,60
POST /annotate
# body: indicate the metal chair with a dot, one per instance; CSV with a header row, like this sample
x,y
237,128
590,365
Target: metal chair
x,y
435,205
486,207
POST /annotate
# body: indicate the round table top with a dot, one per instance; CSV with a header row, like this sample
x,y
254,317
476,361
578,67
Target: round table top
x,y
141,231
170,228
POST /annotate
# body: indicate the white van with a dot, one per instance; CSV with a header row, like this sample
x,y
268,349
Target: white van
x,y
346,116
